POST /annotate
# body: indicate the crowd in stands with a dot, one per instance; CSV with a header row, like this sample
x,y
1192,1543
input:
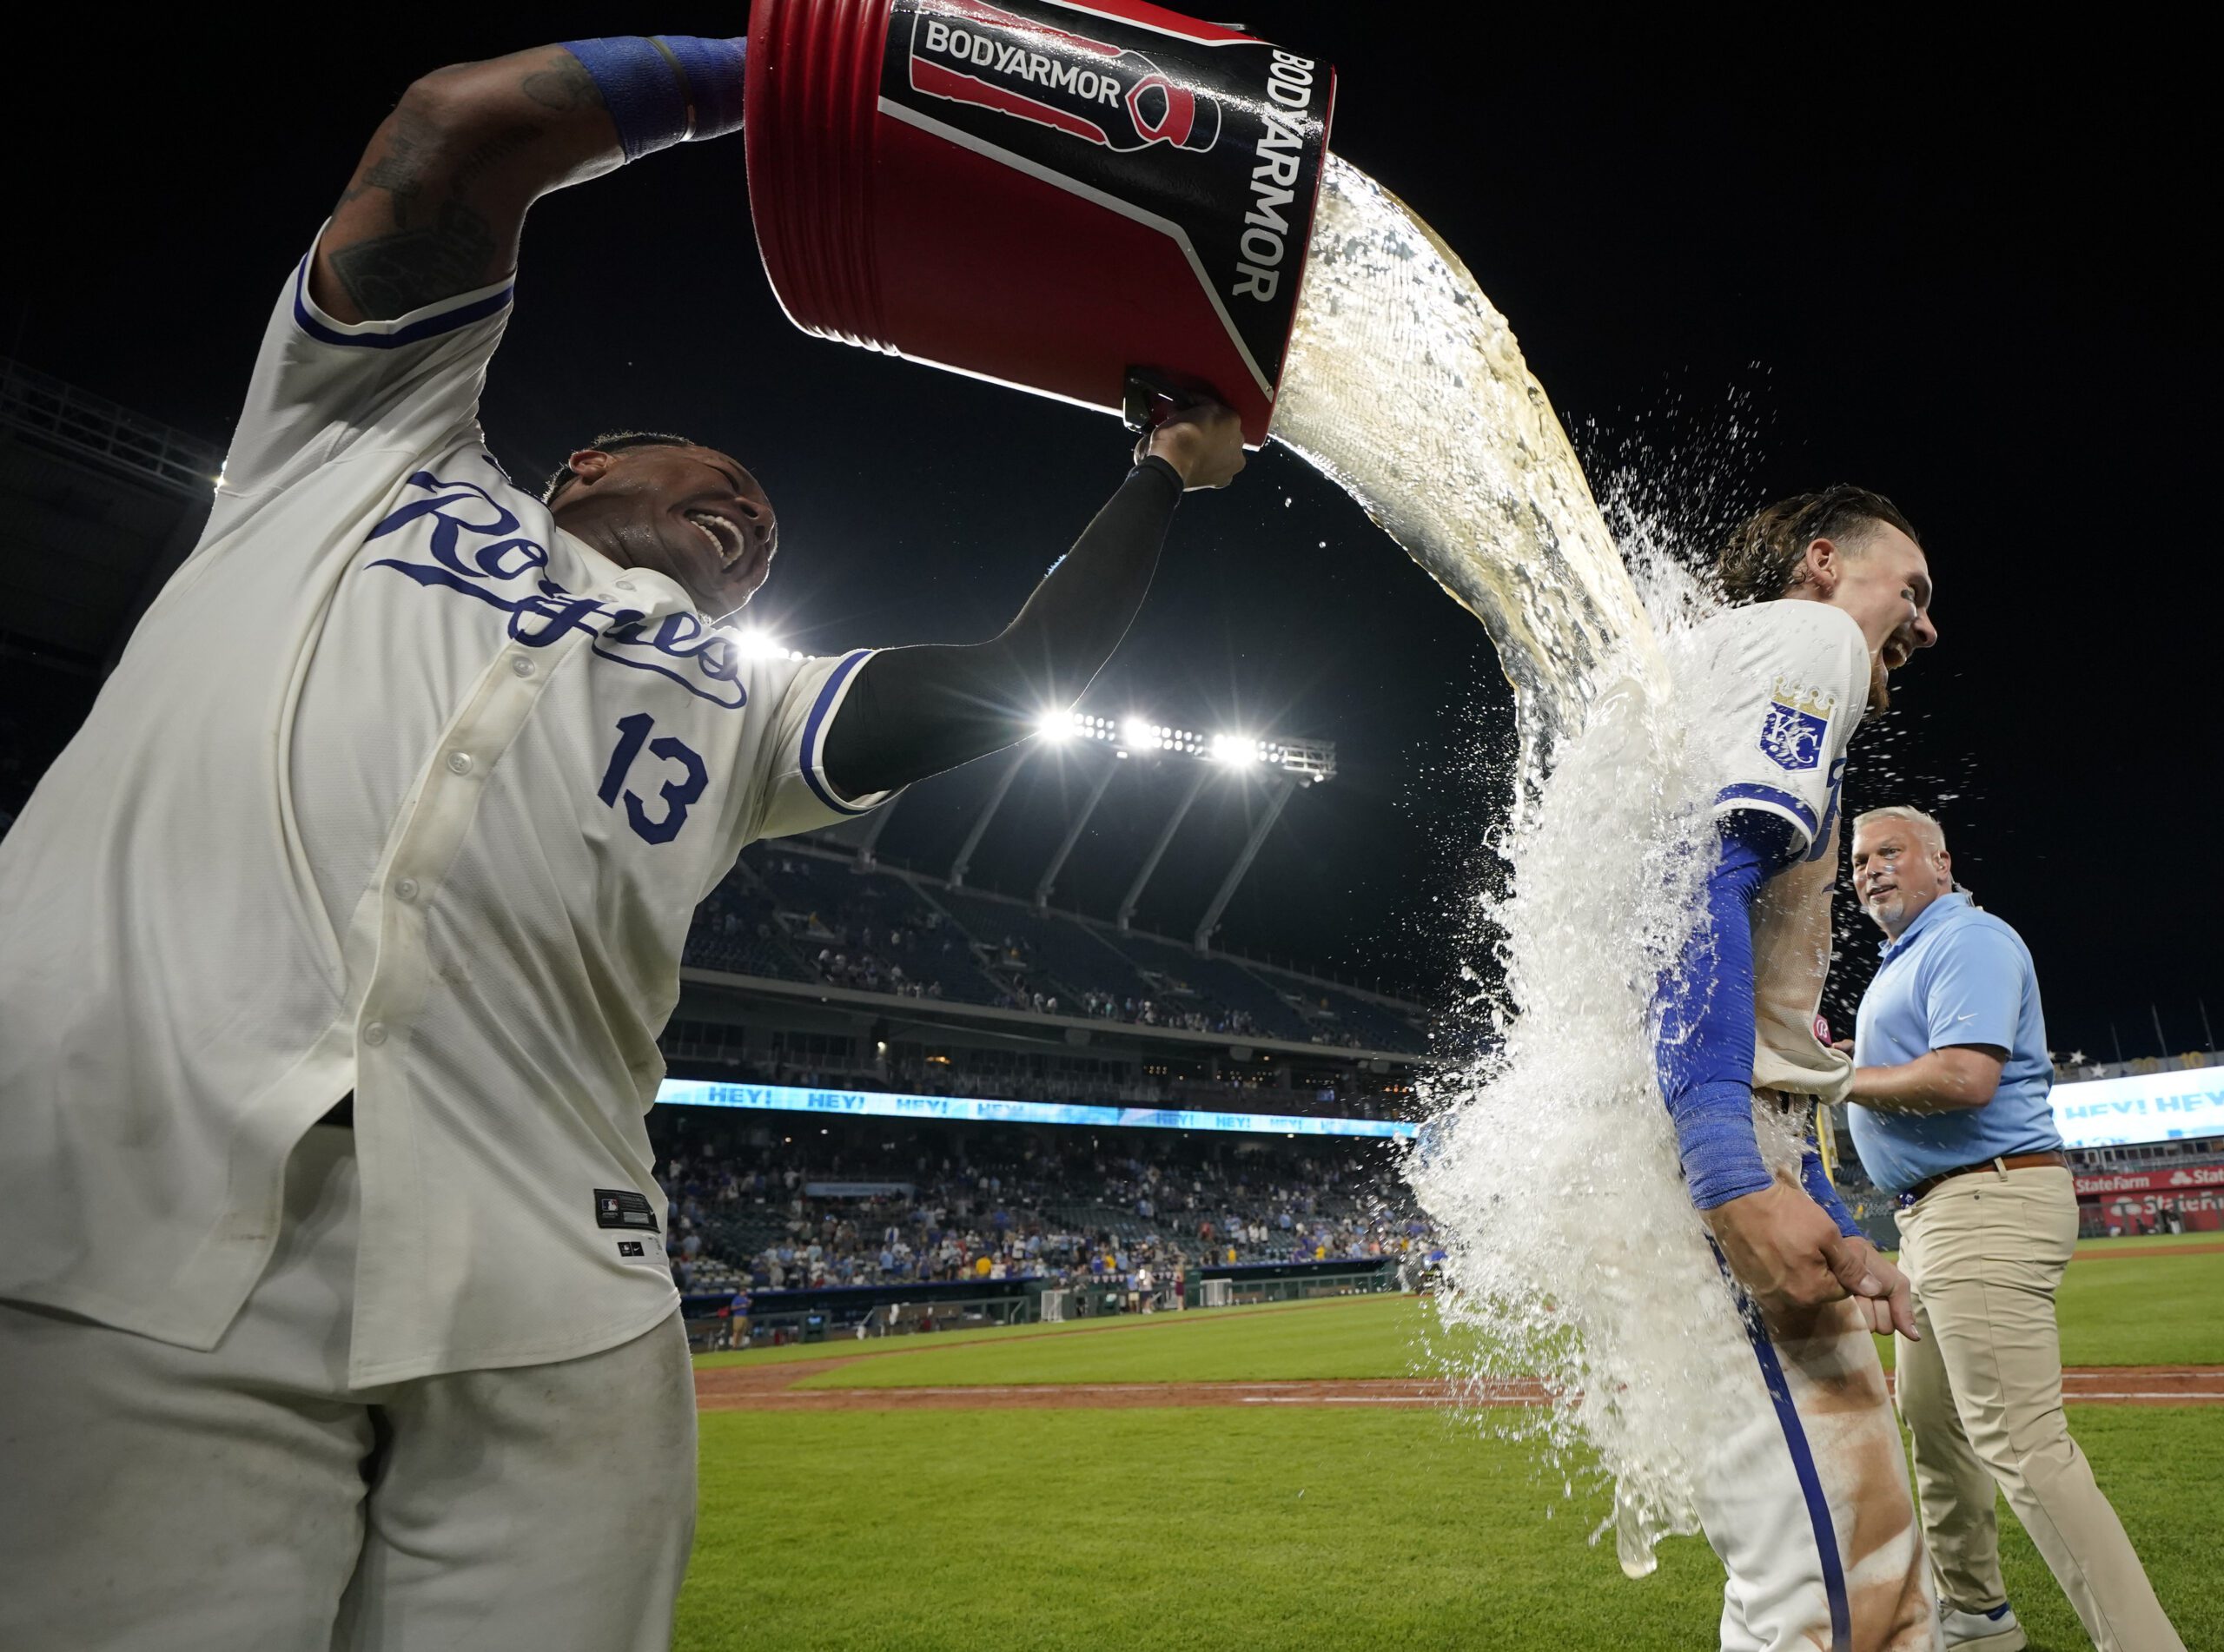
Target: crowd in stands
x,y
1141,1012
798,916
877,968
1060,1205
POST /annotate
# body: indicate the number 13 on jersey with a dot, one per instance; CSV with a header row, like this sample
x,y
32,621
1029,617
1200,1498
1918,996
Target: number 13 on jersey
x,y
678,791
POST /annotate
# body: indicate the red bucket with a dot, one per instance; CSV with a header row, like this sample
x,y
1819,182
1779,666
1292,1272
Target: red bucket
x,y
1052,196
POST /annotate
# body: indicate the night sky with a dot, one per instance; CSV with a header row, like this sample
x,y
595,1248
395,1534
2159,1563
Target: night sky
x,y
1961,272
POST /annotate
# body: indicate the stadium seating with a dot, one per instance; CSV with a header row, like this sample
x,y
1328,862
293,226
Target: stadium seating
x,y
869,929
736,929
1219,987
1329,1011
1059,949
797,913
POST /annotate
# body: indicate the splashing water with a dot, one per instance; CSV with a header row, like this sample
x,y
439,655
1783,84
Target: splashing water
x,y
1406,388
1551,1164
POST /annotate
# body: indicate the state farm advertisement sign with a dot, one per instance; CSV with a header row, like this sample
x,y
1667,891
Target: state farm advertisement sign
x,y
2153,1182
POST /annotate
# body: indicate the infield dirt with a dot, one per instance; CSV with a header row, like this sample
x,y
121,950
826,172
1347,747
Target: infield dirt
x,y
772,1388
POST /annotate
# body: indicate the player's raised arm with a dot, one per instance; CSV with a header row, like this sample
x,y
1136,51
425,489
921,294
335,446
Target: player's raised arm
x,y
437,203
916,711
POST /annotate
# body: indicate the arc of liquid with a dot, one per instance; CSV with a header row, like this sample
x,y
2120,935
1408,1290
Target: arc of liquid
x,y
1406,386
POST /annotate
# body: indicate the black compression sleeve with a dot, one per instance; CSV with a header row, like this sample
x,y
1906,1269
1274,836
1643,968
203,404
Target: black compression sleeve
x,y
916,711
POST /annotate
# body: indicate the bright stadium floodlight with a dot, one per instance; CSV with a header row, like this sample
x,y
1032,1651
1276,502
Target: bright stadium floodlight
x,y
757,644
1304,762
1058,726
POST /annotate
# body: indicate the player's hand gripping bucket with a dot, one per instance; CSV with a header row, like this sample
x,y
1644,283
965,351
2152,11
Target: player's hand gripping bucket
x,y
1049,195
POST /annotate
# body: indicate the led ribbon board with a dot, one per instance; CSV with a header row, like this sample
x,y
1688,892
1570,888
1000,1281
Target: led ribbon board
x,y
2141,1107
875,1104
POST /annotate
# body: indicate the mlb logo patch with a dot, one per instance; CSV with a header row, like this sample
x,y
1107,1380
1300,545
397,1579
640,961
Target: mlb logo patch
x,y
1793,726
623,1207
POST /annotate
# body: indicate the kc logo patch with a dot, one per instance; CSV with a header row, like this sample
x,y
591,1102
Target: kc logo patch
x,y
1795,724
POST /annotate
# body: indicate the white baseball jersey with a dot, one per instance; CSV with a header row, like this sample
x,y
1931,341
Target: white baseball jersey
x,y
398,790
1772,694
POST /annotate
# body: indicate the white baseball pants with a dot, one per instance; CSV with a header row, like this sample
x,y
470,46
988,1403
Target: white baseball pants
x,y
1807,1503
158,1499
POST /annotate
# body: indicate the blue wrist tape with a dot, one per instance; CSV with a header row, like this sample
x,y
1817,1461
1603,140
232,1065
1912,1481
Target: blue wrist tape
x,y
1816,1181
713,69
1714,1138
664,90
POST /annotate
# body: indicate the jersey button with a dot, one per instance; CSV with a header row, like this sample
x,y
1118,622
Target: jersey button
x,y
375,1034
460,762
406,887
522,666
625,585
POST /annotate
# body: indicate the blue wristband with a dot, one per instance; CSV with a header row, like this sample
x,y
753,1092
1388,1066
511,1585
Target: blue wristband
x,y
1714,1138
713,69
1816,1181
664,90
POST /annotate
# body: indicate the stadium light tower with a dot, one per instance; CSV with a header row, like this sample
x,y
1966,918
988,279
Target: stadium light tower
x,y
1288,765
1136,734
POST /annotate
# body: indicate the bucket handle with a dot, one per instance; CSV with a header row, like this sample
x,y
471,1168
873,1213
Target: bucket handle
x,y
1147,400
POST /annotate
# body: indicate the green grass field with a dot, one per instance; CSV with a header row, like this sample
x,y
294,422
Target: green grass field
x,y
1303,1528
2114,1311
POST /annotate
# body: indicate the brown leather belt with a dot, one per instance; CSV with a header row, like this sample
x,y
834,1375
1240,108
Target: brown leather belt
x,y
2013,1162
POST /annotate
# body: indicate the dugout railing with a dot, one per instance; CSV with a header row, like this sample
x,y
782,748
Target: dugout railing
x,y
854,1311
897,1308
1252,1283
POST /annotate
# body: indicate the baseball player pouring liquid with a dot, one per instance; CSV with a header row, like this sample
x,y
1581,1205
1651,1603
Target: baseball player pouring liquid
x,y
1806,1498
333,1306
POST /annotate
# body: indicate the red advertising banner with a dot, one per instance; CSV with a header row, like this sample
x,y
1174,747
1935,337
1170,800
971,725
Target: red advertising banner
x,y
2152,1181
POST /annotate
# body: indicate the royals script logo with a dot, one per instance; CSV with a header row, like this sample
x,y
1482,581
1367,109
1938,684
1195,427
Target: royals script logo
x,y
459,537
971,52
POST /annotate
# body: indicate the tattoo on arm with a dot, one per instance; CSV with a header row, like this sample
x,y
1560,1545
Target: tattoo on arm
x,y
391,275
424,262
564,85
457,163
498,147
401,171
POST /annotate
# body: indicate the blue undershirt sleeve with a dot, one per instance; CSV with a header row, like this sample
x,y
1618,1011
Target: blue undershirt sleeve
x,y
1705,1051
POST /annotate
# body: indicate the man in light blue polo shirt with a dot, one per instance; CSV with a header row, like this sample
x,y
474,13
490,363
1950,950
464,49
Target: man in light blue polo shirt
x,y
1951,1112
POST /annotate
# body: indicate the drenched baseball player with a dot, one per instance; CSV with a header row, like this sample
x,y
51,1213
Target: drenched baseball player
x,y
333,1307
1806,1501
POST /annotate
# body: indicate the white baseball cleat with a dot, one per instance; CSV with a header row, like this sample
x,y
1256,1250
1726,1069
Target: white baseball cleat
x,y
1994,1631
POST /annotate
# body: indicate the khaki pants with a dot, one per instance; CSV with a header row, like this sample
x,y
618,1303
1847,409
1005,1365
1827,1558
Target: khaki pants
x,y
1982,1395
158,1499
